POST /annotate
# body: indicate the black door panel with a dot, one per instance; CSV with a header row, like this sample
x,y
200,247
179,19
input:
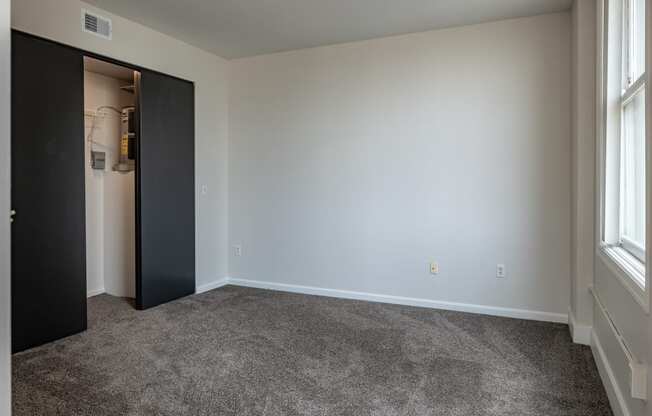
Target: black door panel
x,y
165,207
48,278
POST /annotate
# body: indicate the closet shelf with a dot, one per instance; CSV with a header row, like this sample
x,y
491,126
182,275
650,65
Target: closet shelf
x,y
129,88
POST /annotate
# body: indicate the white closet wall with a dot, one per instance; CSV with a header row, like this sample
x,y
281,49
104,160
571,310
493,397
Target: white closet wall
x,y
110,196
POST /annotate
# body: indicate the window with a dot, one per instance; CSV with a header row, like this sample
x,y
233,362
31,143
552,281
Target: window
x,y
624,135
632,165
632,205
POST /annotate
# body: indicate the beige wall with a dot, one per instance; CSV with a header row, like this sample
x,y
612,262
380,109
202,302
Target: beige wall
x,y
60,20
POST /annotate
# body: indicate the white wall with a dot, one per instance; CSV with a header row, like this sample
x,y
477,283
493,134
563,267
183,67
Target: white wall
x,y
353,166
5,303
629,317
60,20
583,139
110,195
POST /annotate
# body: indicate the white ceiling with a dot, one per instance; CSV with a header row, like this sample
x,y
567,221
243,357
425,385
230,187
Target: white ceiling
x,y
239,28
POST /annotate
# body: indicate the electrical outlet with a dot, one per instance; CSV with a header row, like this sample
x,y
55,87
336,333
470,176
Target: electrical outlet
x,y
434,268
237,250
500,271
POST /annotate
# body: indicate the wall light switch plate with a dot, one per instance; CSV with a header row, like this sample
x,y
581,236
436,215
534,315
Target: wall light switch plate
x,y
500,271
237,250
434,268
204,189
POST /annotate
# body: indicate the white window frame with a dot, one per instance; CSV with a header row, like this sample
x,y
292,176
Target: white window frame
x,y
624,258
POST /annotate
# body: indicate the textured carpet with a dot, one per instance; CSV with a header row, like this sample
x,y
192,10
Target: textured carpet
x,y
238,351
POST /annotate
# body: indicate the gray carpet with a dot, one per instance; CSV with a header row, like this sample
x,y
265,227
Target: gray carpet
x,y
238,351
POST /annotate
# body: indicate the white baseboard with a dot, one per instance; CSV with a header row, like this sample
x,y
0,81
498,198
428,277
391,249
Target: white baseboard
x,y
199,289
95,292
212,285
616,398
400,300
581,334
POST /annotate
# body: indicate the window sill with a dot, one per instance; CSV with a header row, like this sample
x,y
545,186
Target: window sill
x,y
629,270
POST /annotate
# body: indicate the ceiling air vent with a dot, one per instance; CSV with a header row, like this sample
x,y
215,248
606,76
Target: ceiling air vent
x,y
96,24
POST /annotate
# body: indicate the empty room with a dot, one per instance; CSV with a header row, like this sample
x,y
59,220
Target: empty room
x,y
367,208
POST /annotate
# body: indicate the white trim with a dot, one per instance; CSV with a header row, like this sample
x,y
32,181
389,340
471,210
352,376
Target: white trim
x,y
600,122
400,300
629,263
607,234
615,395
633,90
212,285
640,295
581,334
95,292
635,250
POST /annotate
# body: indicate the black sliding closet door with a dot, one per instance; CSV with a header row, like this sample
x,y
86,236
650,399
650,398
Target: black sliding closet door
x,y
48,255
165,190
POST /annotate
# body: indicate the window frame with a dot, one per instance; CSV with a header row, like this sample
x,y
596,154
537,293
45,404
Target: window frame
x,y
630,92
614,89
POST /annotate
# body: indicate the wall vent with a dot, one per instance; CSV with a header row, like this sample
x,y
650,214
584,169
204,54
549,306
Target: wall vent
x,y
96,24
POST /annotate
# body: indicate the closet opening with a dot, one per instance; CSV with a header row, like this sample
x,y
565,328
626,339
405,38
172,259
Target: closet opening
x,y
102,184
110,140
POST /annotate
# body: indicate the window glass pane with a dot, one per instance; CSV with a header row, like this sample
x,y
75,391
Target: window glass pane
x,y
637,39
633,171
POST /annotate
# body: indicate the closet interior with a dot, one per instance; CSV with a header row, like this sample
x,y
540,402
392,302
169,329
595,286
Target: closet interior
x,y
110,139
